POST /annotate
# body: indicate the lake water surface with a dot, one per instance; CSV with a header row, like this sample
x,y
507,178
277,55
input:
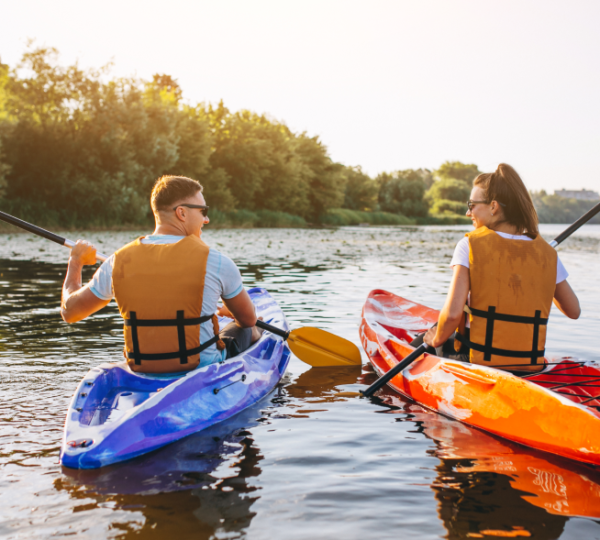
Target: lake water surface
x,y
304,463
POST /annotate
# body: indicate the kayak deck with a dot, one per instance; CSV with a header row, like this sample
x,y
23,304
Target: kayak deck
x,y
556,410
116,414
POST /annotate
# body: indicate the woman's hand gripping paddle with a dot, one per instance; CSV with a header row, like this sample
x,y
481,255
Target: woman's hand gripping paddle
x,y
317,347
312,345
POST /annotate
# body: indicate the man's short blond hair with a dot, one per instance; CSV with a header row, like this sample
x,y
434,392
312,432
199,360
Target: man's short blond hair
x,y
169,190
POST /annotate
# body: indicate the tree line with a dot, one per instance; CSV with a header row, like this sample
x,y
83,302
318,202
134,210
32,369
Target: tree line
x,y
79,148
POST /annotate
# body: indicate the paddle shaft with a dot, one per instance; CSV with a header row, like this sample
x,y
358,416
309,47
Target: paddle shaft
x,y
384,379
43,233
272,329
581,221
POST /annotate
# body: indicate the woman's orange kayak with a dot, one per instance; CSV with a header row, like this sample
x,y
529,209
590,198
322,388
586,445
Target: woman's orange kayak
x,y
556,410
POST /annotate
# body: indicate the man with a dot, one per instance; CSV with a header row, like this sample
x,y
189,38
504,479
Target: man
x,y
167,286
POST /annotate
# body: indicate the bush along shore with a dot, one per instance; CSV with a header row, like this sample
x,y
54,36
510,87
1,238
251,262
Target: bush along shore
x,y
79,149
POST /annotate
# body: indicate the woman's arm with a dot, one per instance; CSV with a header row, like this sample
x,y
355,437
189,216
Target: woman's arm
x,y
453,308
566,300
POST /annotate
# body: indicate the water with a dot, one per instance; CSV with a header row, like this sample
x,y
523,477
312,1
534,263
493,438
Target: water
x,y
303,463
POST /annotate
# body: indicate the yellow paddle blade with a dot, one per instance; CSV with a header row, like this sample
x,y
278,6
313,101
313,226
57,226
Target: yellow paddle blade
x,y
319,348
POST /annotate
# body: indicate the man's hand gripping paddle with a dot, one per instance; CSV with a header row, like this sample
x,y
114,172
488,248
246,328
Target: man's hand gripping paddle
x,y
44,233
311,345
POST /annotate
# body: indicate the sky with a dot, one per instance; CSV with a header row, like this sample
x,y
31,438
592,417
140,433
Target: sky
x,y
385,84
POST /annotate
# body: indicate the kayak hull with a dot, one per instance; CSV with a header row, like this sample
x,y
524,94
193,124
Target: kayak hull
x,y
116,414
513,407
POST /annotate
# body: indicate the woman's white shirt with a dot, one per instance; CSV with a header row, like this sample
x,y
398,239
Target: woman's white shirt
x,y
461,254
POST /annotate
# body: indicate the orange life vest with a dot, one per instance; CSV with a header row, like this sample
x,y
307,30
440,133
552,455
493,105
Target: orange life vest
x,y
512,287
159,290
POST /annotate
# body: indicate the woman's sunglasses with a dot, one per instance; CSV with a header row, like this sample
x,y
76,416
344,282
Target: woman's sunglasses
x,y
204,209
471,204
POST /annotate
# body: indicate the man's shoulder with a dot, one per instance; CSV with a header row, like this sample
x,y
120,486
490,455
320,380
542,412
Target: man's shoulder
x,y
219,260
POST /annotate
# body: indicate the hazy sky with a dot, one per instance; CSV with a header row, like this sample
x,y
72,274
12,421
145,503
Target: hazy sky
x,y
386,84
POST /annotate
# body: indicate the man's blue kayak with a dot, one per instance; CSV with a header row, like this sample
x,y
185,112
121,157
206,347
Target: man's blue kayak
x,y
117,414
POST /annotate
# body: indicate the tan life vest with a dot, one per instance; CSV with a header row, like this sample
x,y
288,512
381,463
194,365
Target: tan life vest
x,y
159,290
512,287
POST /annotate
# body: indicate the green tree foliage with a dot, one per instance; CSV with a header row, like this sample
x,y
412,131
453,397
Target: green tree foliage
x,y
458,171
84,149
402,192
555,209
361,190
445,206
90,151
267,167
449,189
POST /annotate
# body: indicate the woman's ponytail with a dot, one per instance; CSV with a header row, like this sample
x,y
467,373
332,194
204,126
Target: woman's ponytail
x,y
506,187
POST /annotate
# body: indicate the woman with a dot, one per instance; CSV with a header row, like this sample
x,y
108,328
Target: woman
x,y
508,274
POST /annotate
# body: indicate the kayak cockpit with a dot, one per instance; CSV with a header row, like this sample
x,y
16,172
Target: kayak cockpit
x,y
111,390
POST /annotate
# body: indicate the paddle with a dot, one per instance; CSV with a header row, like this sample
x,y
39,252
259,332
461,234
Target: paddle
x,y
423,347
312,345
44,233
318,347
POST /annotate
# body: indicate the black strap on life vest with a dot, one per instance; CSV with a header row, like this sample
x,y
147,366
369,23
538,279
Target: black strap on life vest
x,y
491,315
180,322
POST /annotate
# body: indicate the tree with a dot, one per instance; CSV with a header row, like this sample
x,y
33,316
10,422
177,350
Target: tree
x,y
89,150
555,209
458,171
402,192
445,206
323,177
361,190
449,189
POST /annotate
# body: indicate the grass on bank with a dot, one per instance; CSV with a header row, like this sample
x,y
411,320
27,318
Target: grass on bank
x,y
446,218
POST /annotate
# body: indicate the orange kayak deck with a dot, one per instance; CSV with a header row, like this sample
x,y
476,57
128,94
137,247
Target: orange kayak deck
x,y
555,410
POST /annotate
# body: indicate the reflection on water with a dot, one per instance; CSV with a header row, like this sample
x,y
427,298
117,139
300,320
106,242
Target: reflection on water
x,y
304,462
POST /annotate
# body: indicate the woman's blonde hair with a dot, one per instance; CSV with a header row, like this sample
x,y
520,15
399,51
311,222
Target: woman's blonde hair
x,y
506,187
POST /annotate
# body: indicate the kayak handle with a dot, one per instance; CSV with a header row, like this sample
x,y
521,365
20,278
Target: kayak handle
x,y
272,329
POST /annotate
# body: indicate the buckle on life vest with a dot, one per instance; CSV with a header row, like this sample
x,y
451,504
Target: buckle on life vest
x,y
180,322
491,316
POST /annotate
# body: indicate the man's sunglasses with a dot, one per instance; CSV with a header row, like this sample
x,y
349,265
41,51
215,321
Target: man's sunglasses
x,y
198,206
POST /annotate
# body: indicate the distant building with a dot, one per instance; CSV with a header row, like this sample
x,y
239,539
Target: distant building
x,y
582,195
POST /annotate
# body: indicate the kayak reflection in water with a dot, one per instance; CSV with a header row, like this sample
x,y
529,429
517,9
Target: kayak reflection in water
x,y
167,286
505,278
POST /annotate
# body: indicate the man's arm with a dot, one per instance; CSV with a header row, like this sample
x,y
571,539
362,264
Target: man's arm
x,y
79,302
242,309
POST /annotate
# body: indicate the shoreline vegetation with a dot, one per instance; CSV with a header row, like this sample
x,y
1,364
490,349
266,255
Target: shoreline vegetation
x,y
81,150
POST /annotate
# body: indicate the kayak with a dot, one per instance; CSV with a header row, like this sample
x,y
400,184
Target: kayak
x,y
556,410
117,414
